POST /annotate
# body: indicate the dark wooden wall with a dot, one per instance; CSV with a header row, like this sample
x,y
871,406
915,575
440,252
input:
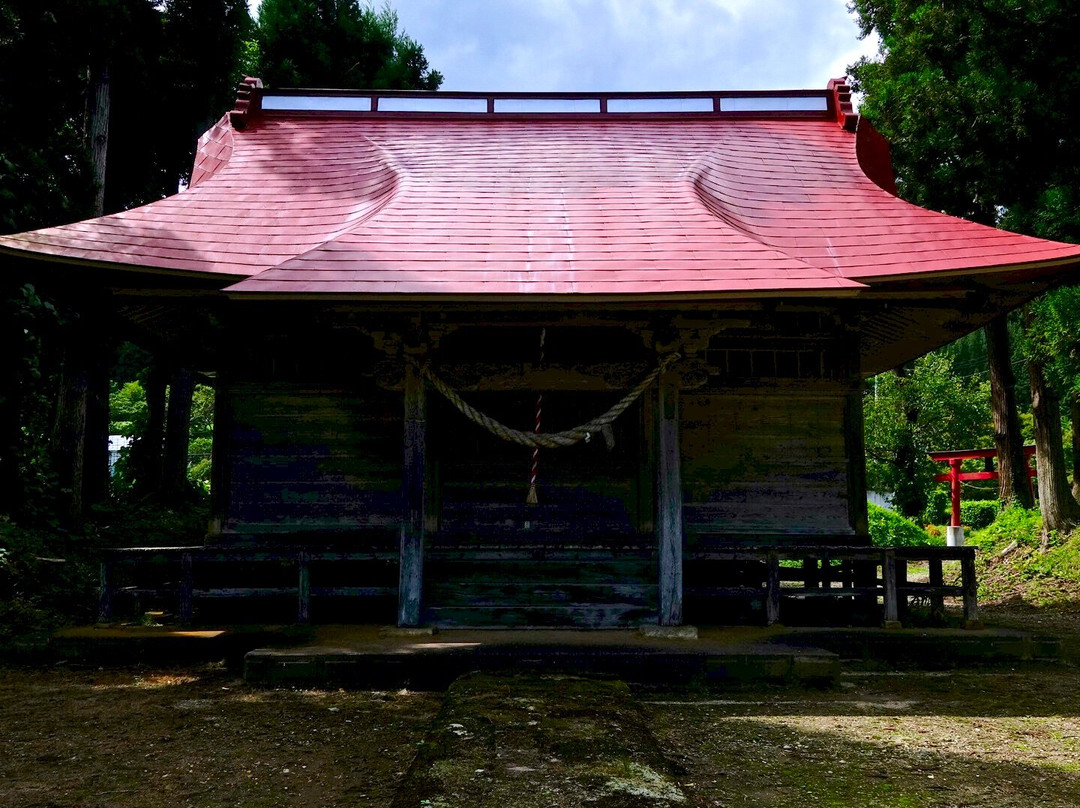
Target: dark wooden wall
x,y
312,437
761,463
313,459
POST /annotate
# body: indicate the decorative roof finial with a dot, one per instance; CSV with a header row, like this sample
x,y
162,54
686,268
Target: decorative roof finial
x,y
248,102
845,112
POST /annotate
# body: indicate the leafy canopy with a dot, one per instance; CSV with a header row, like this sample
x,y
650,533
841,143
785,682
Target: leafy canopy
x,y
338,43
978,100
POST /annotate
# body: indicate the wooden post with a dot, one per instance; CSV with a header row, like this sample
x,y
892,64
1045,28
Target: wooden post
x,y
303,587
186,587
888,580
177,435
669,502
811,574
937,579
772,588
220,456
970,588
411,560
105,592
855,448
647,464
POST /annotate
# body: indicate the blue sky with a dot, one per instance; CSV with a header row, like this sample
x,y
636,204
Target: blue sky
x,y
590,45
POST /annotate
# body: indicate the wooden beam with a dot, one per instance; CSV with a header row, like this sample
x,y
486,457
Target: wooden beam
x,y
187,583
303,587
105,592
772,588
174,484
855,449
411,569
220,450
669,502
888,580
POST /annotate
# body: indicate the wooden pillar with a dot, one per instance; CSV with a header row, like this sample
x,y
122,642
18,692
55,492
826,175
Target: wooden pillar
x,y
411,559
855,449
96,460
888,580
937,580
669,502
970,589
772,588
187,586
177,435
220,456
303,586
105,592
144,457
70,433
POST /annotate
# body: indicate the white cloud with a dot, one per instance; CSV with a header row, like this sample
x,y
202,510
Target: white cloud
x,y
562,45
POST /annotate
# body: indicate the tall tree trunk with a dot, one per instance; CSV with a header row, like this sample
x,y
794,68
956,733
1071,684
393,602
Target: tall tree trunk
x,y
98,133
1014,486
1074,417
1060,511
177,429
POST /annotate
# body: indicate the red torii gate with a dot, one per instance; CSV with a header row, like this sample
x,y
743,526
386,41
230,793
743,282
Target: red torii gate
x,y
954,476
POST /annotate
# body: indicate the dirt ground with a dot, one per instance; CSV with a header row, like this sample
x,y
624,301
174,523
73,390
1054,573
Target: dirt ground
x,y
199,736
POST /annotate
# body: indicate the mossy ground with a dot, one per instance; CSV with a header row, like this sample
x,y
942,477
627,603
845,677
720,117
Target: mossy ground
x,y
993,737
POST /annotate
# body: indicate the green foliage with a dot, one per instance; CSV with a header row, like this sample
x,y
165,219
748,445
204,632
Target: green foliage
x,y
956,94
338,43
172,63
889,529
1051,337
29,372
978,513
127,409
129,412
47,578
978,101
938,505
928,409
201,439
1061,559
1012,525
1015,567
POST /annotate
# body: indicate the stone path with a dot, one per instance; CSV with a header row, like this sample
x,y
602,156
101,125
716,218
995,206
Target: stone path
x,y
533,741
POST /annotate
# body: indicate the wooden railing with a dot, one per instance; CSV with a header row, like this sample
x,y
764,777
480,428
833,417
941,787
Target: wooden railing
x,y
184,590
770,574
842,572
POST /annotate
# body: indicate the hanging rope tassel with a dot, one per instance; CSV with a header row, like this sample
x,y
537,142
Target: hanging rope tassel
x,y
530,498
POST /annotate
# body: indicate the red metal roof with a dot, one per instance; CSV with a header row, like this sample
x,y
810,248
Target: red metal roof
x,y
706,203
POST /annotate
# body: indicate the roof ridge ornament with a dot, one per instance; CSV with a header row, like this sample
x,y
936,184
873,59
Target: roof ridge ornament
x,y
846,115
248,102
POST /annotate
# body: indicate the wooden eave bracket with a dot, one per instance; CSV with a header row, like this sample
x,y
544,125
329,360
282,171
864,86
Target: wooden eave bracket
x,y
248,102
845,111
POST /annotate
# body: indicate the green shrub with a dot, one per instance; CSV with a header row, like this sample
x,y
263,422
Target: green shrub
x,y
979,513
888,529
1012,524
937,507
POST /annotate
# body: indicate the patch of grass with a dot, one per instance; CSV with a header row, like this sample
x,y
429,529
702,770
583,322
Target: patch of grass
x,y
1012,524
1014,567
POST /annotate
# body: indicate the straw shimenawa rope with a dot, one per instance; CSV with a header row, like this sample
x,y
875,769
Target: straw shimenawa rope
x,y
547,440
